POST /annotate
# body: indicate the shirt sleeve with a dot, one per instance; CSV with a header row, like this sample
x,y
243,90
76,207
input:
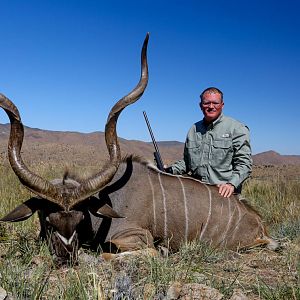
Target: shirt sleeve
x,y
180,167
242,159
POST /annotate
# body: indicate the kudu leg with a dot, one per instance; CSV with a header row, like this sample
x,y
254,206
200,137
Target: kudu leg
x,y
132,241
137,253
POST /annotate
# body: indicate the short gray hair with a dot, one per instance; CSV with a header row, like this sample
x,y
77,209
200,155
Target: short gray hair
x,y
211,90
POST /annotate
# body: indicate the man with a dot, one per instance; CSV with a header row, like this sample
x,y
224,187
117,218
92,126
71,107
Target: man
x,y
217,149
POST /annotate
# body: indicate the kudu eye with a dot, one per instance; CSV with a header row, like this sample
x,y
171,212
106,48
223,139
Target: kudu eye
x,y
49,225
48,222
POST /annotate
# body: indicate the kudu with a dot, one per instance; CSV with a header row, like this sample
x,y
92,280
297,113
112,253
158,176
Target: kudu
x,y
129,204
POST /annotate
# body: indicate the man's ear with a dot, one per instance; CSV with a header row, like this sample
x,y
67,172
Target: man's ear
x,y
23,211
200,105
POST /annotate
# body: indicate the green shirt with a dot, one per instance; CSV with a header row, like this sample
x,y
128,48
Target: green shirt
x,y
217,153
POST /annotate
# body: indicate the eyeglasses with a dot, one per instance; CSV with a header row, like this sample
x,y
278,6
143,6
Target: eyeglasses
x,y
209,103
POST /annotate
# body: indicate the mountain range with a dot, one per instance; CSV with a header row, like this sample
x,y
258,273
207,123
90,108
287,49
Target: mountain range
x,y
88,148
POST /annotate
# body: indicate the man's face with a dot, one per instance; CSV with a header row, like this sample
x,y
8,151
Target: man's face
x,y
211,106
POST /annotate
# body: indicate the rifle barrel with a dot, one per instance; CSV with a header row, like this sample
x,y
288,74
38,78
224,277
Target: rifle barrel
x,y
150,130
157,153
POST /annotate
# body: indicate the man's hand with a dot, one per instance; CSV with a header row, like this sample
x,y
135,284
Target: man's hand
x,y
168,169
226,189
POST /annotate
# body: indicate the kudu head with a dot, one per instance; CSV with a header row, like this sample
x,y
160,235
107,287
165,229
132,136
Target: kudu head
x,y
64,205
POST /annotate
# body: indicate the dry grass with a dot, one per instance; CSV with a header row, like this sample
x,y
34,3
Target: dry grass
x,y
26,268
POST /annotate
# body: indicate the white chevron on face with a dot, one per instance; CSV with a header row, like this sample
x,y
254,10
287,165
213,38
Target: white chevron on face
x,y
67,242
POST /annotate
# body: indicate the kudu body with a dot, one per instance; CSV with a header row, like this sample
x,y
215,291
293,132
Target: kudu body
x,y
129,204
170,210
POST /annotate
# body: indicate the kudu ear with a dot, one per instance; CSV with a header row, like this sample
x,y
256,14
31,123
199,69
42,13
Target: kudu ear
x,y
23,211
107,211
97,207
28,208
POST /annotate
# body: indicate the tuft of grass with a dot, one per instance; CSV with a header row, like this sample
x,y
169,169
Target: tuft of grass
x,y
284,291
289,229
279,203
17,276
185,266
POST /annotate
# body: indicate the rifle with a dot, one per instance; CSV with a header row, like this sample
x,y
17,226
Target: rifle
x,y
156,154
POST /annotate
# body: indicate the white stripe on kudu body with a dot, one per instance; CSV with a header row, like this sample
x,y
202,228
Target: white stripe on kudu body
x,y
238,222
153,202
185,210
165,207
230,217
208,214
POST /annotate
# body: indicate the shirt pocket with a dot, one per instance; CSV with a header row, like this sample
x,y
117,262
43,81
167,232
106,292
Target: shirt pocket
x,y
192,155
221,154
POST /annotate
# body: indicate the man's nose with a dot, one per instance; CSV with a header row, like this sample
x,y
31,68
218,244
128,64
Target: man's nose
x,y
211,105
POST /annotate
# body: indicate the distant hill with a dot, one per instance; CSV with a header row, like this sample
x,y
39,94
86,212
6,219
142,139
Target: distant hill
x,y
274,158
89,148
74,148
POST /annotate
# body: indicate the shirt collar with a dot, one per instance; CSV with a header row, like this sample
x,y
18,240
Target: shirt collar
x,y
215,122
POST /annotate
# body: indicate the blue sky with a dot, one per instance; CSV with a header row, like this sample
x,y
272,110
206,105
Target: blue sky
x,y
65,63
